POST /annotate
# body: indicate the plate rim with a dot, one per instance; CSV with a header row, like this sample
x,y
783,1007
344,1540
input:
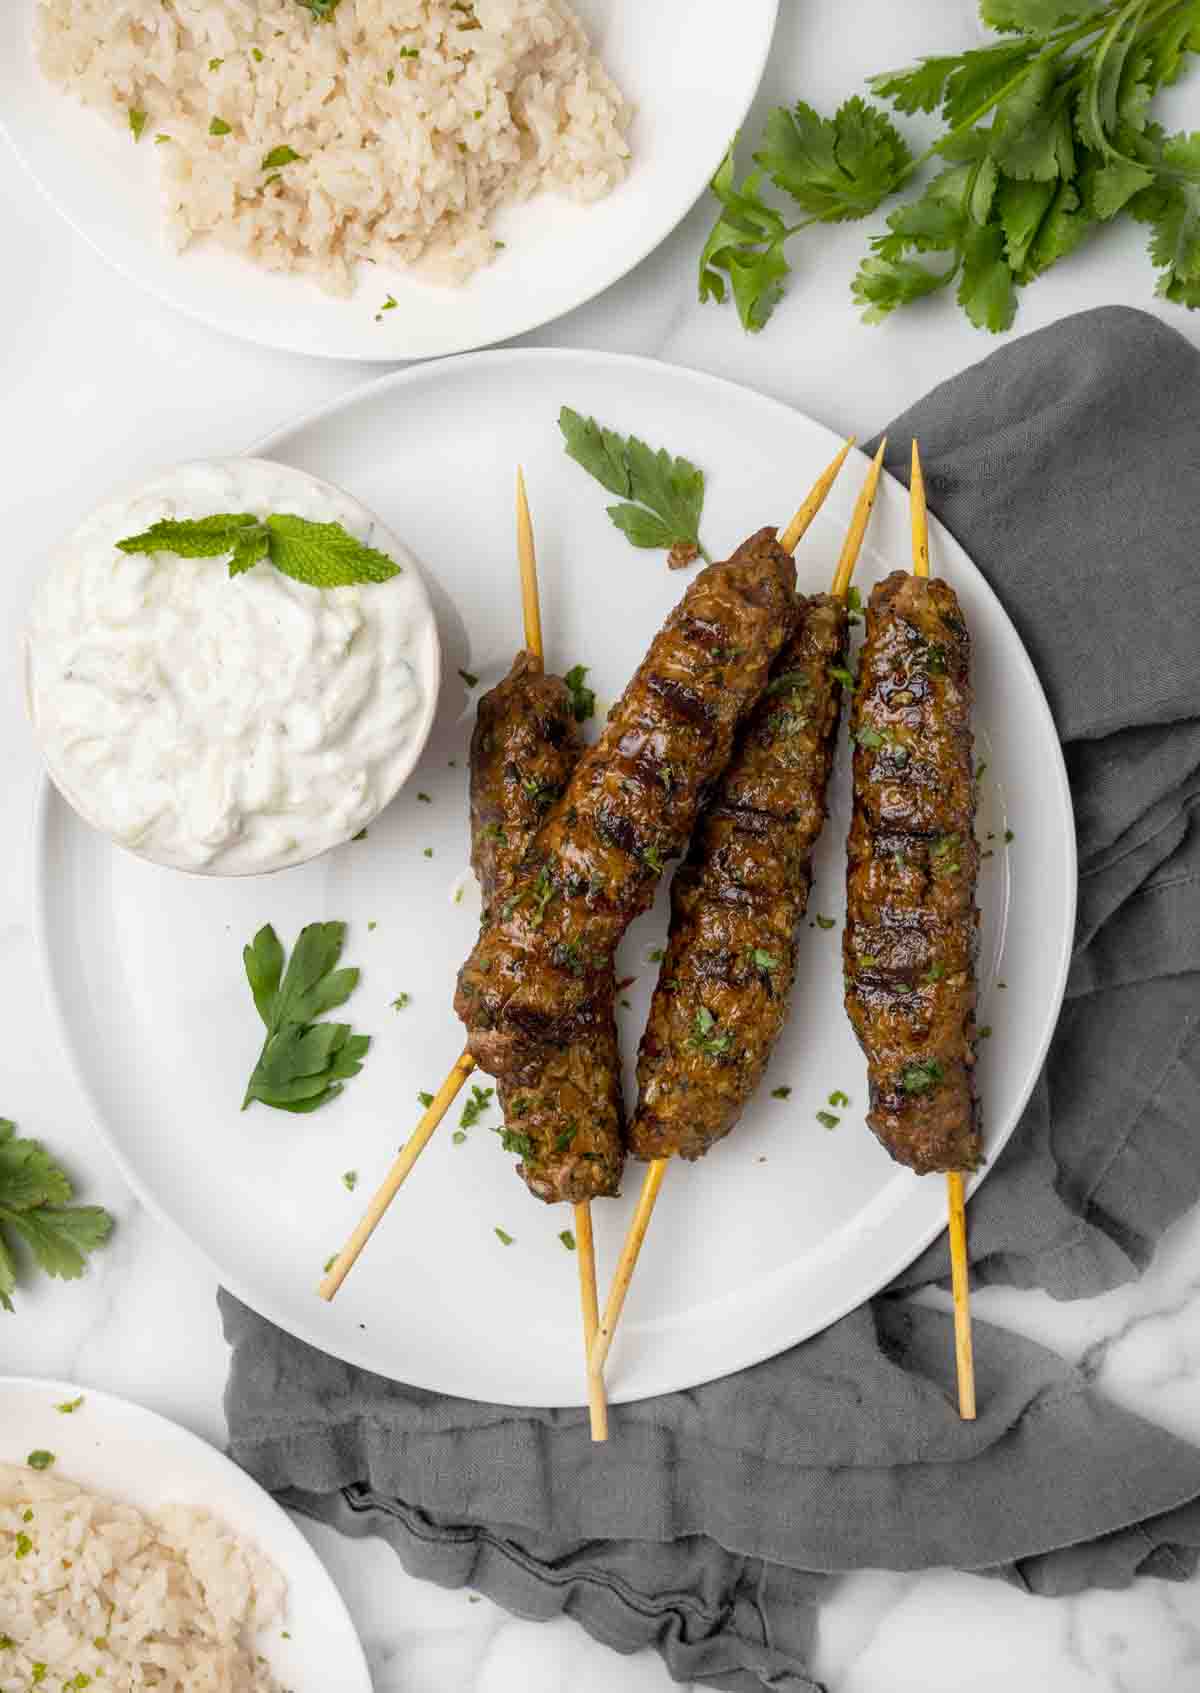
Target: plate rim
x,y
444,347
757,1352
115,1402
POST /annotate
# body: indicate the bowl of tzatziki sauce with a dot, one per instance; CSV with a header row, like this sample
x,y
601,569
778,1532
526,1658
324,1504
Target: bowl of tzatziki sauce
x,y
228,725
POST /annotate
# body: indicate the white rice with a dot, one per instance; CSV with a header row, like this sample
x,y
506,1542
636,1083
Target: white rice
x,y
415,120
93,1588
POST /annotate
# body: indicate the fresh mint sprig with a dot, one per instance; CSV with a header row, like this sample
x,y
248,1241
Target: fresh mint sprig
x,y
322,555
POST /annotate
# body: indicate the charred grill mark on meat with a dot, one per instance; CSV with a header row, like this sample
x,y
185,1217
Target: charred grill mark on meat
x,y
723,989
563,1110
537,975
912,924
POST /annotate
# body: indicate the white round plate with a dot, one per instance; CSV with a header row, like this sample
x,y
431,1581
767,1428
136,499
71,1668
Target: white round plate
x,y
690,68
784,1226
117,1448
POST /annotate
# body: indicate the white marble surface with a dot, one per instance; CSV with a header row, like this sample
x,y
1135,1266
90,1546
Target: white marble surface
x,y
101,384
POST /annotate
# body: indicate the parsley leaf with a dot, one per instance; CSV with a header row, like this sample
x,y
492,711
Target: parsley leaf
x,y
919,1078
705,1037
280,156
323,555
303,1063
663,496
583,700
322,10
137,122
479,1102
35,1204
836,169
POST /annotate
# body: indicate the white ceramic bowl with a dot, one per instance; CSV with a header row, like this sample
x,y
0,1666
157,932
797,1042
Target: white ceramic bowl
x,y
227,725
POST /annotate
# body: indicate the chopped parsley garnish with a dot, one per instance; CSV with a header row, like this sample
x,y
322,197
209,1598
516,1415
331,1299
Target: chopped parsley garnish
x,y
504,1237
935,972
215,64
23,1548
788,682
764,961
704,1039
330,1262
1008,837
940,854
410,53
985,1033
583,700
469,678
825,922
513,1141
854,605
137,122
425,799
827,1119
304,1063
40,1460
427,853
562,1141
479,1102
425,1099
280,156
568,1239
391,76
390,304
459,1137
868,737
868,960
69,1405
980,768
652,861
401,1001
256,54
935,659
543,892
350,1180
839,1099
218,126
781,1093
919,1078
656,954
846,677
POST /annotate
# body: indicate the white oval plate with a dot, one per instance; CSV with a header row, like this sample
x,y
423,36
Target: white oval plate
x,y
134,1455
690,68
784,1226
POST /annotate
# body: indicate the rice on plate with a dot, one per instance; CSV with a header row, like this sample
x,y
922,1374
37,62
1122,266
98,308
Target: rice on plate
x,y
387,130
96,1593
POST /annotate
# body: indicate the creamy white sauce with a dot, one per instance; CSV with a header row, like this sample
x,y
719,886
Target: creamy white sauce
x,y
227,725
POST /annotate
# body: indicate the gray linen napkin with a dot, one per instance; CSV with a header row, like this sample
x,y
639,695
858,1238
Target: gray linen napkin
x,y
1068,464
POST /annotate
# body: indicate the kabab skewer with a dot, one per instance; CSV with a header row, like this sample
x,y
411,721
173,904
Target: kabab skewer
x,y
737,901
585,1247
955,1200
912,863
525,745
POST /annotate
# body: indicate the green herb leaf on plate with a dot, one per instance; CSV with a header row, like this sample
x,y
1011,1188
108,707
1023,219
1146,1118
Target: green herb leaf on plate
x,y
663,495
303,1063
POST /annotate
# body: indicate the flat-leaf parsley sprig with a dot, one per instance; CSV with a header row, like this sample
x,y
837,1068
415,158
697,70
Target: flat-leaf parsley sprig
x,y
304,1063
662,496
1048,136
323,555
35,1206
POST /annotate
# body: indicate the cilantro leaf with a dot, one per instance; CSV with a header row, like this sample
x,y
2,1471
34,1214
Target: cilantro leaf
x,y
745,245
322,555
303,1062
985,290
664,495
836,169
35,1196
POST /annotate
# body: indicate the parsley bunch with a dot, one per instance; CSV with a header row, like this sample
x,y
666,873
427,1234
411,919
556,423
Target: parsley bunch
x,y
1048,136
35,1206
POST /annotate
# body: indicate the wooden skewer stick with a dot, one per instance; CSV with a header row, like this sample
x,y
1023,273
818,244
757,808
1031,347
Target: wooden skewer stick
x,y
657,1168
396,1176
585,1248
959,1274
464,1064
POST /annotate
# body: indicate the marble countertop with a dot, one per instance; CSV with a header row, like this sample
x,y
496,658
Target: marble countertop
x,y
102,384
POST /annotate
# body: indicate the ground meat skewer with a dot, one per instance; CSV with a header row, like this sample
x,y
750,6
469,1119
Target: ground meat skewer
x,y
737,900
912,923
658,1165
911,919
524,747
536,978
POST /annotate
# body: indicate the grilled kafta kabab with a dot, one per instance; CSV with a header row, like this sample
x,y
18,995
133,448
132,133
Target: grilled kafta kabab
x,y
911,921
563,1110
543,966
736,902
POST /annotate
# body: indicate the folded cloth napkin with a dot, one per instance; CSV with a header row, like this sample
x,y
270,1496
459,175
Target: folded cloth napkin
x,y
1068,465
